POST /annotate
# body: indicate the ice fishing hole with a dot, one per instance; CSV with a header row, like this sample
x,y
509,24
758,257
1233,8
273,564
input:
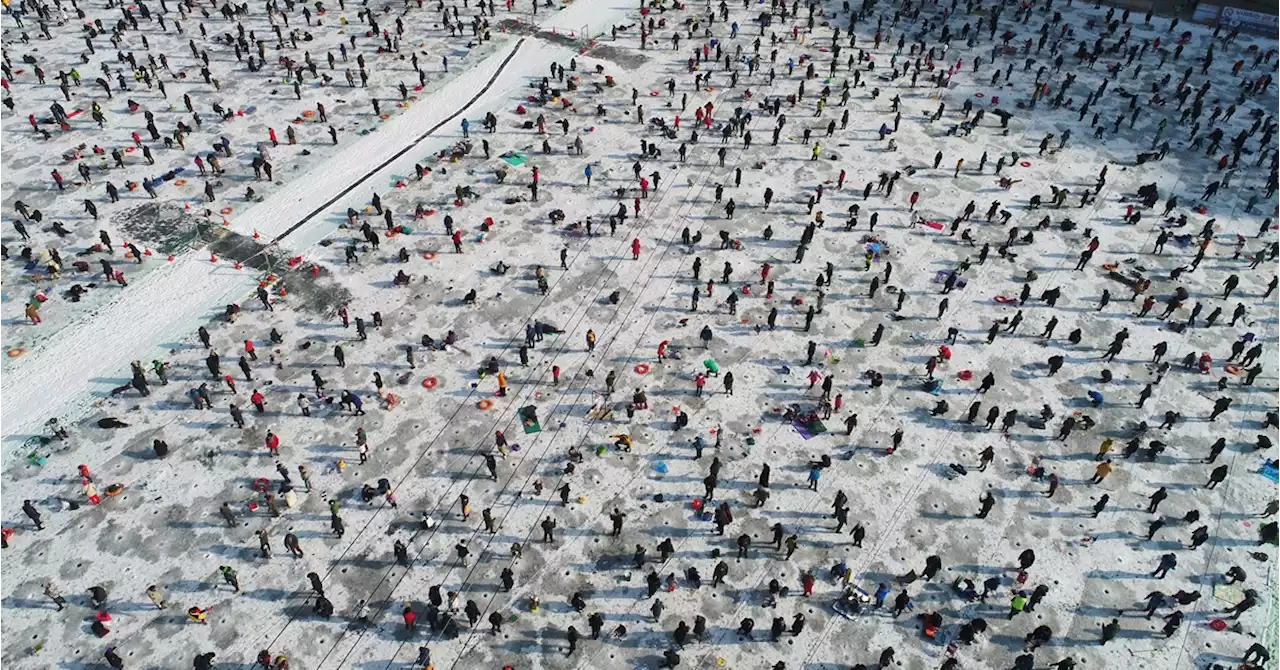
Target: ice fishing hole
x,y
344,571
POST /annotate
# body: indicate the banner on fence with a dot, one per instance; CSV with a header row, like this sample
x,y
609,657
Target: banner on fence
x,y
1250,21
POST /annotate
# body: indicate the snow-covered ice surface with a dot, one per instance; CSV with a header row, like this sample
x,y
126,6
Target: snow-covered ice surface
x,y
161,310
165,529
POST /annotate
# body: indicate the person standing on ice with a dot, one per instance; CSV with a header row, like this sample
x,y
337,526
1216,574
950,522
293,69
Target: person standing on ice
x,y
32,513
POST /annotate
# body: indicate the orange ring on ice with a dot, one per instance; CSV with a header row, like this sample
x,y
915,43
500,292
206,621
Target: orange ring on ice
x,y
430,382
16,352
308,113
228,210
1232,368
430,255
643,368
179,182
485,404
384,117
979,94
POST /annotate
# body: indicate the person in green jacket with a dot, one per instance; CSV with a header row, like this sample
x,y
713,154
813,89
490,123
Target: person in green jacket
x,y
1017,605
229,576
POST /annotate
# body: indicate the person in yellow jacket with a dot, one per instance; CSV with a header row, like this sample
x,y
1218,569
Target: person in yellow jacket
x,y
591,340
622,441
1104,468
1105,448
817,151
502,384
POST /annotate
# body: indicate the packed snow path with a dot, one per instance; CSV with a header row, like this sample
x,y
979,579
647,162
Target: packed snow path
x,y
164,528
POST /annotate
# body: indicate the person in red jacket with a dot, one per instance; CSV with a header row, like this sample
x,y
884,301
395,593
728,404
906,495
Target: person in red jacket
x,y
259,401
248,350
635,249
410,617
273,443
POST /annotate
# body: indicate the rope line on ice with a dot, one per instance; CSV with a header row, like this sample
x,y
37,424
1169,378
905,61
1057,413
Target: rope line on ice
x,y
407,148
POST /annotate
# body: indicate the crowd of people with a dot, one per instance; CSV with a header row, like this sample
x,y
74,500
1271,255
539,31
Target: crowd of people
x,y
837,159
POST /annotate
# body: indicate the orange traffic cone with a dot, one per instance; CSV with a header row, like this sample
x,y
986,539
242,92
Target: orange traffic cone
x,y
213,258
